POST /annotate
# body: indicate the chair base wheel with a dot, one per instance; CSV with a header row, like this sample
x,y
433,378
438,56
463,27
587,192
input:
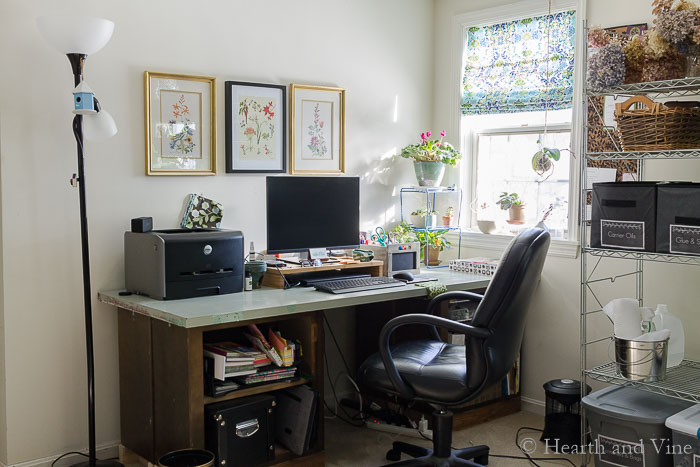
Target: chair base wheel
x,y
483,460
393,455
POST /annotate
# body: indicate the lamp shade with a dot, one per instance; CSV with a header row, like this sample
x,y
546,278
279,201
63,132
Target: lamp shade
x,y
99,126
75,34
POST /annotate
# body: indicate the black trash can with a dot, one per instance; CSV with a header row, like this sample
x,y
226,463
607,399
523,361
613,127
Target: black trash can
x,y
187,458
562,421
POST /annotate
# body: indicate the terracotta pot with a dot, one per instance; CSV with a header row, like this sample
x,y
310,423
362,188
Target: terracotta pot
x,y
433,256
447,220
516,213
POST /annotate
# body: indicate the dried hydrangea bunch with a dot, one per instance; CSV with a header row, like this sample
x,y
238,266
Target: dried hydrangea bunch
x,y
671,66
606,67
655,46
635,56
675,25
597,37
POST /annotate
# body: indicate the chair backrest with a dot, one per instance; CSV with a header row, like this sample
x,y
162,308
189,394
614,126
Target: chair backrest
x,y
504,308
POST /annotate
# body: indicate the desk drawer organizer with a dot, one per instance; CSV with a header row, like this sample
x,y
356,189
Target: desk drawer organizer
x,y
241,432
624,216
678,218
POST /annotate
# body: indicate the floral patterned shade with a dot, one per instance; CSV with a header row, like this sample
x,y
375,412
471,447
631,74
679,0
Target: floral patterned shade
x,y
506,67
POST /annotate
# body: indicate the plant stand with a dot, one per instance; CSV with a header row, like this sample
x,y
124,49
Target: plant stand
x,y
432,194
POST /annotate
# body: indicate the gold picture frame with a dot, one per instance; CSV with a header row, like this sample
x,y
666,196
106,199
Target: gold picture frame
x,y
316,146
180,122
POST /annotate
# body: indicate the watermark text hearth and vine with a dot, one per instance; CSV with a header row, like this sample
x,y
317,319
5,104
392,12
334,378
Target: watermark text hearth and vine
x,y
604,446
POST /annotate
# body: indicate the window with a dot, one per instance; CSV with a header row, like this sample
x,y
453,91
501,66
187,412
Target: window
x,y
516,95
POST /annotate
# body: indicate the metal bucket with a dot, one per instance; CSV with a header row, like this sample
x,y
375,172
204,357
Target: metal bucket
x,y
641,361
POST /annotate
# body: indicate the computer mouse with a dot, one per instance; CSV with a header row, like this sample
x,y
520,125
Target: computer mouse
x,y
404,276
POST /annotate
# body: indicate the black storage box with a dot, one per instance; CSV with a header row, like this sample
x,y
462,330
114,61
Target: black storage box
x,y
241,432
624,216
678,218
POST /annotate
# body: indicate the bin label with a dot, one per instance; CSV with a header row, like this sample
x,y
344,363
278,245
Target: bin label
x,y
621,453
622,234
684,239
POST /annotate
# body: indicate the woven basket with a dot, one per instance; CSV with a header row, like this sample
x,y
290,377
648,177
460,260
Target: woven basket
x,y
657,127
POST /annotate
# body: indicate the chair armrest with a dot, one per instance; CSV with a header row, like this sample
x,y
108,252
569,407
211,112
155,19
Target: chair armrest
x,y
385,351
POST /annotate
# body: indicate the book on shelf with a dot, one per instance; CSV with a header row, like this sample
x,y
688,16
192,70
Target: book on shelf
x,y
233,352
258,340
230,372
284,348
287,373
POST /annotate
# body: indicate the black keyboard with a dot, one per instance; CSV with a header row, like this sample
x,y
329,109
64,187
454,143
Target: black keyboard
x,y
358,285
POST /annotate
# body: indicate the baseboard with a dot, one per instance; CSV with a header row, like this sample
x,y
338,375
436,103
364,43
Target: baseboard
x,y
104,451
532,405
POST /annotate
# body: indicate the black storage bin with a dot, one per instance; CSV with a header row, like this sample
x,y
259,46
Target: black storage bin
x,y
241,432
624,216
678,218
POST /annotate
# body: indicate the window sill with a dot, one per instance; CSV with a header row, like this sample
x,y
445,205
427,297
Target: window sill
x,y
478,240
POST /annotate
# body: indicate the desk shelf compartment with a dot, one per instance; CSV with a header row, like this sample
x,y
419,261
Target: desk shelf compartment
x,y
432,196
162,386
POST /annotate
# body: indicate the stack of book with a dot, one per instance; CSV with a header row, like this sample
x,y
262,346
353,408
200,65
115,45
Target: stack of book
x,y
231,359
270,359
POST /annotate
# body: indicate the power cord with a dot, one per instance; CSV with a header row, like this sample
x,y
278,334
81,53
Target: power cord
x,y
68,454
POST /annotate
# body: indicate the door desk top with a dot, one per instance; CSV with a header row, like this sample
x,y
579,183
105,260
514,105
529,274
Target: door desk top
x,y
269,302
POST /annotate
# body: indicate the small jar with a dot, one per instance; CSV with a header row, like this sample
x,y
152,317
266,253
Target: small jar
x,y
248,281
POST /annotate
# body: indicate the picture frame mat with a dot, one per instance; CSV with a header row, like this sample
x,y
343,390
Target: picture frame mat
x,y
236,90
300,93
156,81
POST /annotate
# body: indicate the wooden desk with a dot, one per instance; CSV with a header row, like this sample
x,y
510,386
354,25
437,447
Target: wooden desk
x,y
160,354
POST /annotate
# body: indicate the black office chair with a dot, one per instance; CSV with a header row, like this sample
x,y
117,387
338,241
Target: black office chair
x,y
446,375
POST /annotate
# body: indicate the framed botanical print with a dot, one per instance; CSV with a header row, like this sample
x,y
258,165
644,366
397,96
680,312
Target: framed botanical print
x,y
256,127
317,129
180,124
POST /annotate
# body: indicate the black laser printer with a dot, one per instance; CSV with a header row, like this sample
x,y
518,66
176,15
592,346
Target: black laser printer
x,y
183,263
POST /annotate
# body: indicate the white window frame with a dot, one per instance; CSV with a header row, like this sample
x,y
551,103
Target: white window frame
x,y
524,9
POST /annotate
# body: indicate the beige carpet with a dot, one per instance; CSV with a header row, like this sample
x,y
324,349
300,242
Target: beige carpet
x,y
350,446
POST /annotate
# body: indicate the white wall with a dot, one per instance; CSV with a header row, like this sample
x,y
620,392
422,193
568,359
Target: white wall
x,y
551,343
361,45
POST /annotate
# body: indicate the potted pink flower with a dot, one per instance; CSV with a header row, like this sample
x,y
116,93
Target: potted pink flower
x,y
430,157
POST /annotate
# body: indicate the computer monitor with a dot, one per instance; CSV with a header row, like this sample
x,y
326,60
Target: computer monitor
x,y
312,212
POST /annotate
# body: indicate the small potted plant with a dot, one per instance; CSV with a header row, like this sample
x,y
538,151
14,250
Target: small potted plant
x,y
421,218
435,241
448,217
403,233
514,205
430,157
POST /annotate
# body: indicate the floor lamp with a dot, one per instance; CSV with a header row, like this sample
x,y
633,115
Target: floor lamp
x,y
77,38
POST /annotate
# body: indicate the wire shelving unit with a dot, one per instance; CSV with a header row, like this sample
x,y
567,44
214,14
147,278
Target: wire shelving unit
x,y
431,196
682,382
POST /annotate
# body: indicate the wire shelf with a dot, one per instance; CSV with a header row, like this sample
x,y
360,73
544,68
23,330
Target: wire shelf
x,y
430,189
629,155
644,256
670,88
682,382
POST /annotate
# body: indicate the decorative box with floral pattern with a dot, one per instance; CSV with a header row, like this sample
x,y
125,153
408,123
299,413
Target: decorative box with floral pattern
x,y
202,213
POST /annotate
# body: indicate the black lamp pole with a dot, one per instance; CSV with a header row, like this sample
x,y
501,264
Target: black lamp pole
x,y
77,61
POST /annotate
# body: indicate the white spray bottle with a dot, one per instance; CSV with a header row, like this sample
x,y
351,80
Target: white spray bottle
x,y
664,319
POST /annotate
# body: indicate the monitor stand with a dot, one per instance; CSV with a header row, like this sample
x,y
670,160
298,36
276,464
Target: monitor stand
x,y
304,257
